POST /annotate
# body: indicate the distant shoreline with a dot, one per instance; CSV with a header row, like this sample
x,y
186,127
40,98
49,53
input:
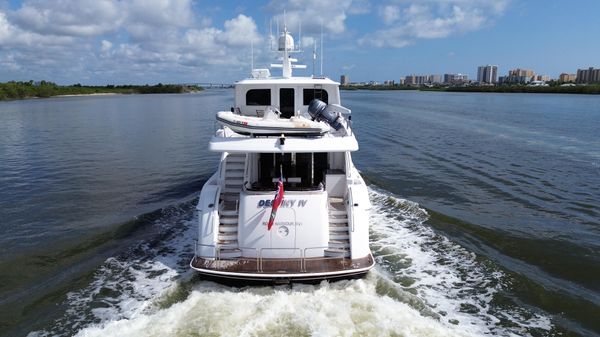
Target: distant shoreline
x,y
26,90
94,94
578,89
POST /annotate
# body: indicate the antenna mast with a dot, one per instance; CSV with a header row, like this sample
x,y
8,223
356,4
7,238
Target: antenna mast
x,y
322,49
299,35
286,46
314,56
252,54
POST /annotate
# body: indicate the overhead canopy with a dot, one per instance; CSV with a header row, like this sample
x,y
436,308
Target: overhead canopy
x,y
273,144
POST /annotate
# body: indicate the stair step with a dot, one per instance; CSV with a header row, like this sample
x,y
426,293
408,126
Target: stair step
x,y
230,197
336,229
228,236
232,190
331,252
236,159
230,253
234,166
339,236
235,181
339,244
228,228
228,220
228,212
228,244
338,220
333,211
235,174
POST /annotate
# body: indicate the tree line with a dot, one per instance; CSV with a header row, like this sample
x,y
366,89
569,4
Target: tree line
x,y
43,89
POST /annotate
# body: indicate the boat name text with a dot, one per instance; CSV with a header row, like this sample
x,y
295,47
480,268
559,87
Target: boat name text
x,y
284,203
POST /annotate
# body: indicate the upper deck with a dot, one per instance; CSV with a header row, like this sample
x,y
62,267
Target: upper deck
x,y
228,141
290,95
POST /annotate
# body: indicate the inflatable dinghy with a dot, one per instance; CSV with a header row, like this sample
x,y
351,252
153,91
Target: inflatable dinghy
x,y
271,124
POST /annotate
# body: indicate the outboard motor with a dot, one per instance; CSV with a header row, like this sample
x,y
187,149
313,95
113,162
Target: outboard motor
x,y
320,111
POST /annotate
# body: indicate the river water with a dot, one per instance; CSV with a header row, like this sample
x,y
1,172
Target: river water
x,y
486,220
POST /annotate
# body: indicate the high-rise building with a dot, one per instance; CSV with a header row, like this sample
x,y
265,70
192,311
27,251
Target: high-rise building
x,y
344,80
543,78
589,75
455,78
521,73
518,76
487,74
564,77
434,79
422,79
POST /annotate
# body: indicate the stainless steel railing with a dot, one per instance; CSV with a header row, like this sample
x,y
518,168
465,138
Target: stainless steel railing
x,y
260,260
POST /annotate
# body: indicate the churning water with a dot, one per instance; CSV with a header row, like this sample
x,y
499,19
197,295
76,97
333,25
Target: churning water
x,y
484,220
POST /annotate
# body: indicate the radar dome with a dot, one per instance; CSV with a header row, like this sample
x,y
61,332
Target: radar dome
x,y
286,42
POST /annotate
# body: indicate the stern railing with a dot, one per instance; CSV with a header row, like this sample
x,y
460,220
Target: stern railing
x,y
269,265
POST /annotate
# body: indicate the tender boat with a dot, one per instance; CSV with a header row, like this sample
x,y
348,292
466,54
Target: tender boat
x,y
286,202
270,124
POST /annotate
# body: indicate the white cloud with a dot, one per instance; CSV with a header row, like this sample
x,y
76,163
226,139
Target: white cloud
x,y
429,19
308,42
240,31
69,17
106,45
330,14
5,28
133,39
8,62
389,14
152,19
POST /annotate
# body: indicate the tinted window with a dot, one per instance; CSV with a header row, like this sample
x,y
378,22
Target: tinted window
x,y
310,94
286,102
258,97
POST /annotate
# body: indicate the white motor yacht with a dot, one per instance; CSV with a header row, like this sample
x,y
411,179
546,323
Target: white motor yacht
x,y
286,203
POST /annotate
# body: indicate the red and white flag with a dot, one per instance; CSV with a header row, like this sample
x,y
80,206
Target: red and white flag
x,y
276,202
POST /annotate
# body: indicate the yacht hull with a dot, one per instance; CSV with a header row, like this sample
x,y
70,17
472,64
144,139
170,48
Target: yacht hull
x,y
241,271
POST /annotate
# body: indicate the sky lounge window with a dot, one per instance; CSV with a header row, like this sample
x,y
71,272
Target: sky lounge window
x,y
258,97
310,94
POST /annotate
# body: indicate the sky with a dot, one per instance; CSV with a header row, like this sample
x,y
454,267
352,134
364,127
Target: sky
x,y
99,42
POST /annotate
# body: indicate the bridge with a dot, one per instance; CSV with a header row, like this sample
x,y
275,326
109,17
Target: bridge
x,y
211,85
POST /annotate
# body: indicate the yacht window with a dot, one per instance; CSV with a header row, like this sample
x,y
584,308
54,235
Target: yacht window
x,y
301,171
310,94
258,97
286,102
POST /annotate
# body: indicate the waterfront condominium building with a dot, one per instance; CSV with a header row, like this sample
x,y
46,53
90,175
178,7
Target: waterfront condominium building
x,y
521,73
487,74
543,78
422,79
435,79
344,80
518,76
589,75
455,78
564,77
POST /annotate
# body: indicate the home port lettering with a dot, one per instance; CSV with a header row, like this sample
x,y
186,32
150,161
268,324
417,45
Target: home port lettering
x,y
284,203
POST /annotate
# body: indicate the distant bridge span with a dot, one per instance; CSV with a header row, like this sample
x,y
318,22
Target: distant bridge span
x,y
209,85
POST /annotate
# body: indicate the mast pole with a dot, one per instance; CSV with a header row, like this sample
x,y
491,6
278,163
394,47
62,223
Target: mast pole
x,y
322,49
